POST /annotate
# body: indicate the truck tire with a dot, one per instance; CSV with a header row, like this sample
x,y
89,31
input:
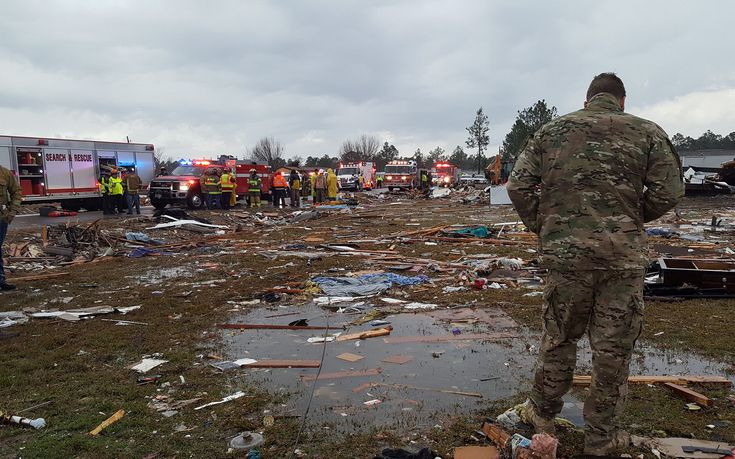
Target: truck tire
x,y
390,188
195,200
92,204
158,204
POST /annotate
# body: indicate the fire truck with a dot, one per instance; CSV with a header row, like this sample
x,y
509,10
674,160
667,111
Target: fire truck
x,y
67,171
347,175
182,185
444,174
401,175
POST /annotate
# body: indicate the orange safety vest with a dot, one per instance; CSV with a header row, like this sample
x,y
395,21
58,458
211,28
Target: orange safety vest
x,y
279,181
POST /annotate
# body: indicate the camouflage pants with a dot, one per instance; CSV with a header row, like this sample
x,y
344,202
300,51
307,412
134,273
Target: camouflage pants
x,y
610,305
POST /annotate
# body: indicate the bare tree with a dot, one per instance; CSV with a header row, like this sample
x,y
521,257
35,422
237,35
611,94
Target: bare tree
x,y
363,148
268,150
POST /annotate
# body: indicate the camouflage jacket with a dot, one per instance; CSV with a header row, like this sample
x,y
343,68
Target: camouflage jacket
x,y
587,181
10,195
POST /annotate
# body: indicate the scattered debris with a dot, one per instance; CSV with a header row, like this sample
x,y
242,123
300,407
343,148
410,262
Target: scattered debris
x,y
147,364
6,418
107,422
229,398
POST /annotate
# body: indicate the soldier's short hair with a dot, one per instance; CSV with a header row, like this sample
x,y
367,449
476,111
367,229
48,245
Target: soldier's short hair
x,y
606,82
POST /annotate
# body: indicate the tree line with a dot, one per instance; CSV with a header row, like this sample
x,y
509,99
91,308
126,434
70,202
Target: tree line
x,y
708,140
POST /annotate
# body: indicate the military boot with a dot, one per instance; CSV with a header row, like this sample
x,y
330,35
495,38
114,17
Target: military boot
x,y
610,446
529,415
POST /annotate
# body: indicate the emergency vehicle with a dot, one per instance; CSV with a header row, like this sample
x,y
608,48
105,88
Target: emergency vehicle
x,y
347,175
444,174
182,185
401,175
67,171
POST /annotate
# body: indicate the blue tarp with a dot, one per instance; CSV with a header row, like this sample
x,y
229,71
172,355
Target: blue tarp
x,y
368,284
479,231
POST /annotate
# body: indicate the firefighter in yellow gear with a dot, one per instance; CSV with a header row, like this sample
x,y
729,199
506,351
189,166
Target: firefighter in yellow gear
x,y
227,185
116,190
254,185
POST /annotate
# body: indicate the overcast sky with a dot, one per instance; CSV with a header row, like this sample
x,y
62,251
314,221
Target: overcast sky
x,y
202,78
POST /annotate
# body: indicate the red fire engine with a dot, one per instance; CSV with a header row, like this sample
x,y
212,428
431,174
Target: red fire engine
x,y
444,174
182,184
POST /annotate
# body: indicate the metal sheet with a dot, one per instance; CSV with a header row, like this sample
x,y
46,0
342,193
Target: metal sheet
x,y
84,171
144,166
58,170
5,158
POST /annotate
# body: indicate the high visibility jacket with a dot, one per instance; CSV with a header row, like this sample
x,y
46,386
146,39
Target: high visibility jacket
x,y
254,184
296,184
103,185
226,182
424,178
211,184
312,182
279,181
331,184
115,186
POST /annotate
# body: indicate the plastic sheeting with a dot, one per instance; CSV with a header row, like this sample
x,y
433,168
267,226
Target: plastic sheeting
x,y
369,284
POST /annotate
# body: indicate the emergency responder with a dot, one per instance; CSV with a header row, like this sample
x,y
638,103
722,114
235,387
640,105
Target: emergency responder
x,y
162,171
379,181
294,181
123,200
254,188
106,196
227,185
360,182
212,187
320,185
279,190
312,185
10,197
332,185
586,183
424,181
132,185
115,188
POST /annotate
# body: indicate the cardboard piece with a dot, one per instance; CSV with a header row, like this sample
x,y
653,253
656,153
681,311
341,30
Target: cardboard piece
x,y
476,452
350,357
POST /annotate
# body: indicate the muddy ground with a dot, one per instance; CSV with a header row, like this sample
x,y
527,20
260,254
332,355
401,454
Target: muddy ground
x,y
79,371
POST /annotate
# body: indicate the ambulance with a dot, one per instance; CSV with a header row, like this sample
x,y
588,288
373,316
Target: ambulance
x,y
348,175
67,171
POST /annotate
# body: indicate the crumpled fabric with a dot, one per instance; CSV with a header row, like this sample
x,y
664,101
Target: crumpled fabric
x,y
143,252
425,453
366,285
142,237
479,231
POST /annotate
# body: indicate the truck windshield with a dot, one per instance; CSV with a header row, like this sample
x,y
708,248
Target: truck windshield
x,y
347,171
398,169
188,170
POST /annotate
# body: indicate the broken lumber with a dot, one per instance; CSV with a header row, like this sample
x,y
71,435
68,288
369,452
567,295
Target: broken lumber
x,y
108,422
407,386
39,277
284,364
366,334
585,380
343,374
274,327
689,394
443,338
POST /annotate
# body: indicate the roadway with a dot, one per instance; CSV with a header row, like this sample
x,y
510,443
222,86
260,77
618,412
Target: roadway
x,y
36,221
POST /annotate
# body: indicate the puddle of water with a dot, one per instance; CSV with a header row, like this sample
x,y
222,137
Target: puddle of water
x,y
494,369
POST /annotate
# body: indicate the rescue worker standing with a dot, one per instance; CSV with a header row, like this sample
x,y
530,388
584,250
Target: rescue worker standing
x,y
254,188
212,185
116,191
162,172
586,183
280,188
332,185
106,196
227,185
294,181
133,183
379,181
320,184
10,197
312,185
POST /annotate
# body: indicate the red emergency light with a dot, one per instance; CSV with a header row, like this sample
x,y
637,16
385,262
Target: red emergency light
x,y
198,162
42,142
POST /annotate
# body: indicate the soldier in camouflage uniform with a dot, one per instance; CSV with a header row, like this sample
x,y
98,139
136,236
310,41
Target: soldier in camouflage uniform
x,y
586,183
10,198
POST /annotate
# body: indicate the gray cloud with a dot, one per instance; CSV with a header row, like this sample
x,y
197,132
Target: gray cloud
x,y
202,78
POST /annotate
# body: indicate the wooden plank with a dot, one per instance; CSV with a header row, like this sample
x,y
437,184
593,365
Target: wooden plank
x,y
350,357
107,422
443,338
690,394
274,327
284,364
39,277
366,334
585,380
343,374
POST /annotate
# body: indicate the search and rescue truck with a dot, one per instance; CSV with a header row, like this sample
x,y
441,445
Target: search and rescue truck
x,y
444,174
348,175
67,171
401,175
182,185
